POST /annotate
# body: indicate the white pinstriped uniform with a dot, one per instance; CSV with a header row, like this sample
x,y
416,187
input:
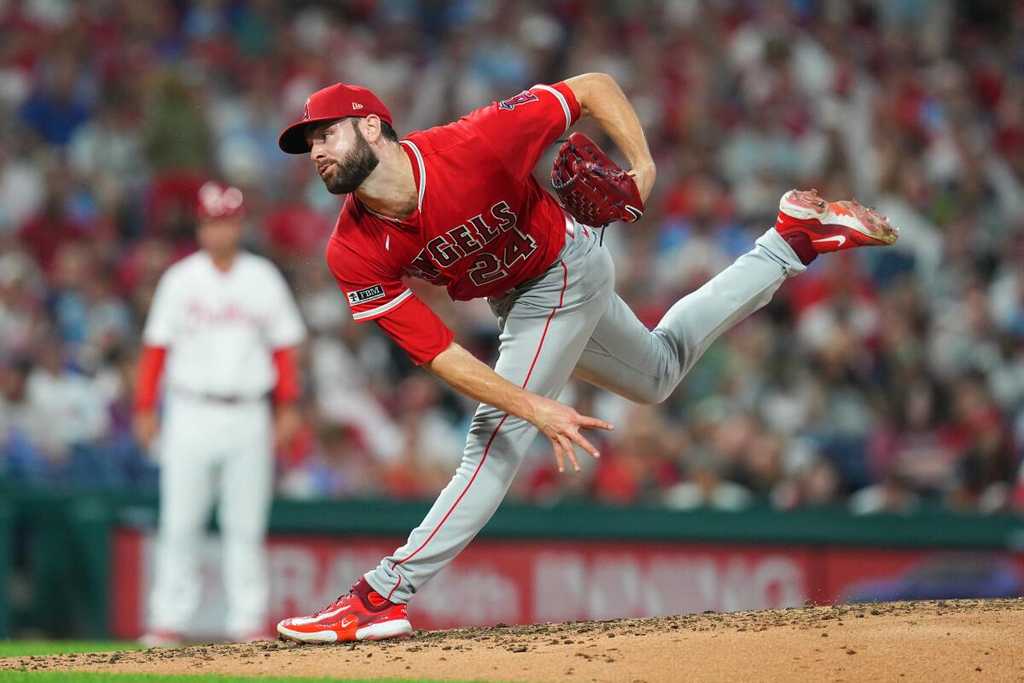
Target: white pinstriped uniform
x,y
220,330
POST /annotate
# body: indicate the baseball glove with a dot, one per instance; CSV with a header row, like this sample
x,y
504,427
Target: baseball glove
x,y
592,187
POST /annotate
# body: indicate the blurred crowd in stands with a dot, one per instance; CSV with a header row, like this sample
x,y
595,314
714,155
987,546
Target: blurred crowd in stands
x,y
884,380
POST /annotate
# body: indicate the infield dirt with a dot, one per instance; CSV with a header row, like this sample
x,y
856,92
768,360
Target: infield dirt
x,y
962,640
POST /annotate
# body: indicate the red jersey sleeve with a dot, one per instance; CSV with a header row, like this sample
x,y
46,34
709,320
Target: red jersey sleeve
x,y
520,128
151,367
417,329
374,294
287,389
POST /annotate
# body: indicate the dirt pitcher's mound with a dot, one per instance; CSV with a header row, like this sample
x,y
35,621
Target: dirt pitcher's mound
x,y
961,640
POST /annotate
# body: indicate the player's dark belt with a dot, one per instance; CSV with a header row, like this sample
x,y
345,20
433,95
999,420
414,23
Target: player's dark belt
x,y
225,399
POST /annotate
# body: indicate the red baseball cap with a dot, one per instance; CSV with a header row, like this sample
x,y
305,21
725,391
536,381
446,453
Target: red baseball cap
x,y
215,200
337,101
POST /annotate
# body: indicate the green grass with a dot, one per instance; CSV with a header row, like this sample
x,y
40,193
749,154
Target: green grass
x,y
28,648
77,677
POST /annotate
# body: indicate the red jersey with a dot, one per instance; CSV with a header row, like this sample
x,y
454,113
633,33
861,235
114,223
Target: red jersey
x,y
482,223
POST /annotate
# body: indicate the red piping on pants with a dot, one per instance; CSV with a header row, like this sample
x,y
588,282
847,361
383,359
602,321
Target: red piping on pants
x,y
487,448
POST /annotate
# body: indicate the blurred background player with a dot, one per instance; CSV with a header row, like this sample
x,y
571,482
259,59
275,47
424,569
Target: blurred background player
x,y
226,327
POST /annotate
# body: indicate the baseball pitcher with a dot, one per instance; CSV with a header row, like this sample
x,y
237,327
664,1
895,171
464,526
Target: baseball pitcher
x,y
457,205
226,326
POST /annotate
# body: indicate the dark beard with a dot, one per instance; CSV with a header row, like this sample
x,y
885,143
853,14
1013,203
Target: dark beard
x,y
353,170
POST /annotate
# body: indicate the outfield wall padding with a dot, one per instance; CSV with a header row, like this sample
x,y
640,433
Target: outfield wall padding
x,y
69,535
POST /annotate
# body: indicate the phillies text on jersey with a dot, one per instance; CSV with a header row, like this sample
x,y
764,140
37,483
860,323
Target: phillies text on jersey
x,y
219,328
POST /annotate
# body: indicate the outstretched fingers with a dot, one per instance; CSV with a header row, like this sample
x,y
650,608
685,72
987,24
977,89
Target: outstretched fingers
x,y
568,449
584,443
594,423
559,457
563,430
563,449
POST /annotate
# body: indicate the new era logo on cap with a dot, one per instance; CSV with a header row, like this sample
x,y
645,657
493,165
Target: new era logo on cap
x,y
356,105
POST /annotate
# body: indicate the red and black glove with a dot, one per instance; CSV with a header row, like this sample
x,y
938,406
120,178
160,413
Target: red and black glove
x,y
592,187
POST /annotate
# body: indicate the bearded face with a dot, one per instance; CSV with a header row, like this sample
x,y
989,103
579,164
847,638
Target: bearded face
x,y
345,174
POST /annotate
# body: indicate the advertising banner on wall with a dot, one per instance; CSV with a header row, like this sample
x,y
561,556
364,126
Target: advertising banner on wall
x,y
524,581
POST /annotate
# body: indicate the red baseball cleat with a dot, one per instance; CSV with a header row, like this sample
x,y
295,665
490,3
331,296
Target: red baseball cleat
x,y
362,614
831,226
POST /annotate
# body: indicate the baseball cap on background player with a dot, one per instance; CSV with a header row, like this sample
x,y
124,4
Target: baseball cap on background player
x,y
216,200
337,101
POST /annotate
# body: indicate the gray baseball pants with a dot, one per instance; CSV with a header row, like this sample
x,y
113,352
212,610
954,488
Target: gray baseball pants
x,y
570,321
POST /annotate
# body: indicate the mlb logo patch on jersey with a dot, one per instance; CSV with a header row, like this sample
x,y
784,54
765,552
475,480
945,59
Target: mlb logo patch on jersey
x,y
522,98
361,296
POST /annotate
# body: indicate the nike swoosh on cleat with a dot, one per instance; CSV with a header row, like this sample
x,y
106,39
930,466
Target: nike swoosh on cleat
x,y
301,621
347,621
840,240
335,612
